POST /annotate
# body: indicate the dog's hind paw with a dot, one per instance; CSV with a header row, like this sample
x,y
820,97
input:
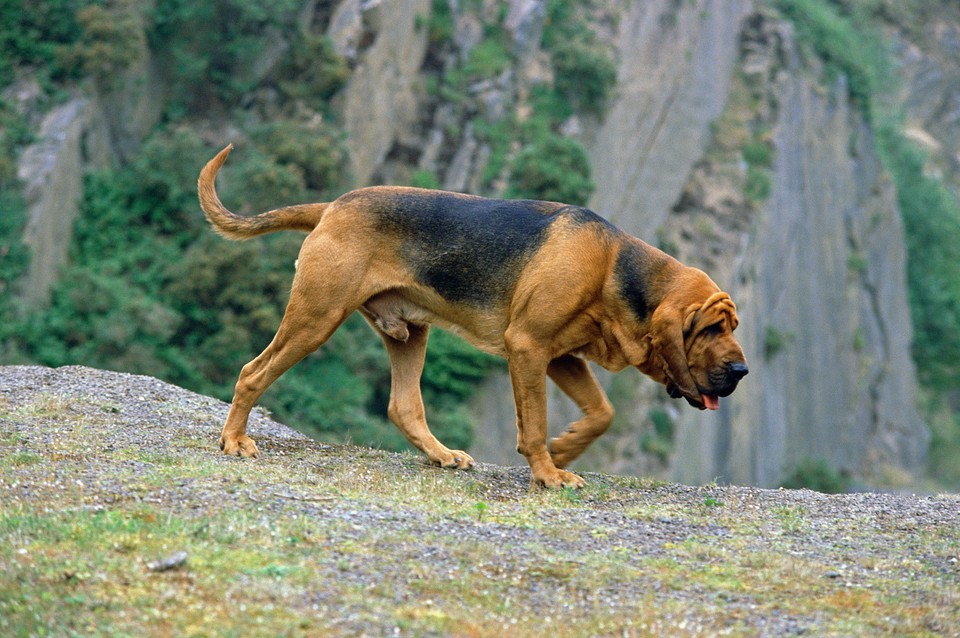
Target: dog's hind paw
x,y
239,446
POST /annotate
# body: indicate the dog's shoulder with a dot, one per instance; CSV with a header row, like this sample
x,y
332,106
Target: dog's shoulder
x,y
640,273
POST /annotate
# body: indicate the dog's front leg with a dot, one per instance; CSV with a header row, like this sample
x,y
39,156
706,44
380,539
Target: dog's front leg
x,y
528,372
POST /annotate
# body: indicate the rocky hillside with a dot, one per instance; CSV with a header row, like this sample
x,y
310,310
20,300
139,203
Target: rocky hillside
x,y
709,128
115,502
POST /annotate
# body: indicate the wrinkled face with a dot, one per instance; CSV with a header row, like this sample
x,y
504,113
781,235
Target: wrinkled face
x,y
695,353
713,356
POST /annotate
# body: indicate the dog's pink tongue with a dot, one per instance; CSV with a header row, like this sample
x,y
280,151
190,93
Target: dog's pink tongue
x,y
710,401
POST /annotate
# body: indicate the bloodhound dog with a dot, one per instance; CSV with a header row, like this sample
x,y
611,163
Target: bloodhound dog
x,y
546,285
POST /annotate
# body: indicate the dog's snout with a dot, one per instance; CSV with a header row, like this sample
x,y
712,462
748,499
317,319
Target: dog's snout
x,y
738,370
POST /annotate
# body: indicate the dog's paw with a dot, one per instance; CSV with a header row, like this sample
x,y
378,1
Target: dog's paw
x,y
454,460
559,479
240,446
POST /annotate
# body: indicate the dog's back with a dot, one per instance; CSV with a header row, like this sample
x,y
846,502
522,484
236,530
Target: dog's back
x,y
469,249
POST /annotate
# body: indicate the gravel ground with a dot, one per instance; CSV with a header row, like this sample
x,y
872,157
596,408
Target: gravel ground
x,y
621,548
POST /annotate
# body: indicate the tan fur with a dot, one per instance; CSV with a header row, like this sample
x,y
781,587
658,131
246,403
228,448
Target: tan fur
x,y
566,307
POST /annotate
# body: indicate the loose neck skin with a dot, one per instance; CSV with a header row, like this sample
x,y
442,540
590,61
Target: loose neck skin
x,y
641,287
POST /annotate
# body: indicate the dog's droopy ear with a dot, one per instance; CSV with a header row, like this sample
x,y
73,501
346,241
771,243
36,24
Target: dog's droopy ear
x,y
668,343
720,303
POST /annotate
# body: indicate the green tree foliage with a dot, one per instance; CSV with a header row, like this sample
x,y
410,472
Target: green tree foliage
x,y
14,257
34,33
111,38
843,37
315,148
213,49
312,71
931,217
555,169
584,71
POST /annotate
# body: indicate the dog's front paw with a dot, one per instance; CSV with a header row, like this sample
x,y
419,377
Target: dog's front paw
x,y
454,460
239,446
558,479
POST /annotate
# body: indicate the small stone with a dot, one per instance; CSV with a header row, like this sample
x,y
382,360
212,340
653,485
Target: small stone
x,y
173,561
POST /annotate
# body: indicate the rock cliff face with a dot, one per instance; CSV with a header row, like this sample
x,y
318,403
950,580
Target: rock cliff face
x,y
51,171
380,101
817,267
930,92
88,131
676,61
820,280
807,238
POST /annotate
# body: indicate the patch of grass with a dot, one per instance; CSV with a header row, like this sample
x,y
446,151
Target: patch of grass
x,y
758,184
330,540
24,458
791,518
487,59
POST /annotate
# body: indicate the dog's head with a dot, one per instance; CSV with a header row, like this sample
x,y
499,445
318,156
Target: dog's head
x,y
693,351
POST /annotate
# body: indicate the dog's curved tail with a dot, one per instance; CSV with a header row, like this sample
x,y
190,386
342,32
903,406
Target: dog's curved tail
x,y
304,217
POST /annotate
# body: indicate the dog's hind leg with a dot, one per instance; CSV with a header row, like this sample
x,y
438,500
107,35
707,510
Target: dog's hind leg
x,y
319,303
574,377
299,334
406,403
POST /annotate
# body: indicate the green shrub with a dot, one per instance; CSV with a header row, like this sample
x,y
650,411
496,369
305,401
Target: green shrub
x,y
931,217
774,341
550,109
584,74
15,132
315,149
313,71
555,169
758,153
758,184
36,33
211,48
440,23
584,71
14,259
488,59
817,475
944,461
425,179
845,42
660,441
260,183
111,39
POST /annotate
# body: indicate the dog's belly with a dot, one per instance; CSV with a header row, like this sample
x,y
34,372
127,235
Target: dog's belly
x,y
394,310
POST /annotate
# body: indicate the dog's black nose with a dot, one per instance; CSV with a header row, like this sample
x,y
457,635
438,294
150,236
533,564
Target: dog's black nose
x,y
738,370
